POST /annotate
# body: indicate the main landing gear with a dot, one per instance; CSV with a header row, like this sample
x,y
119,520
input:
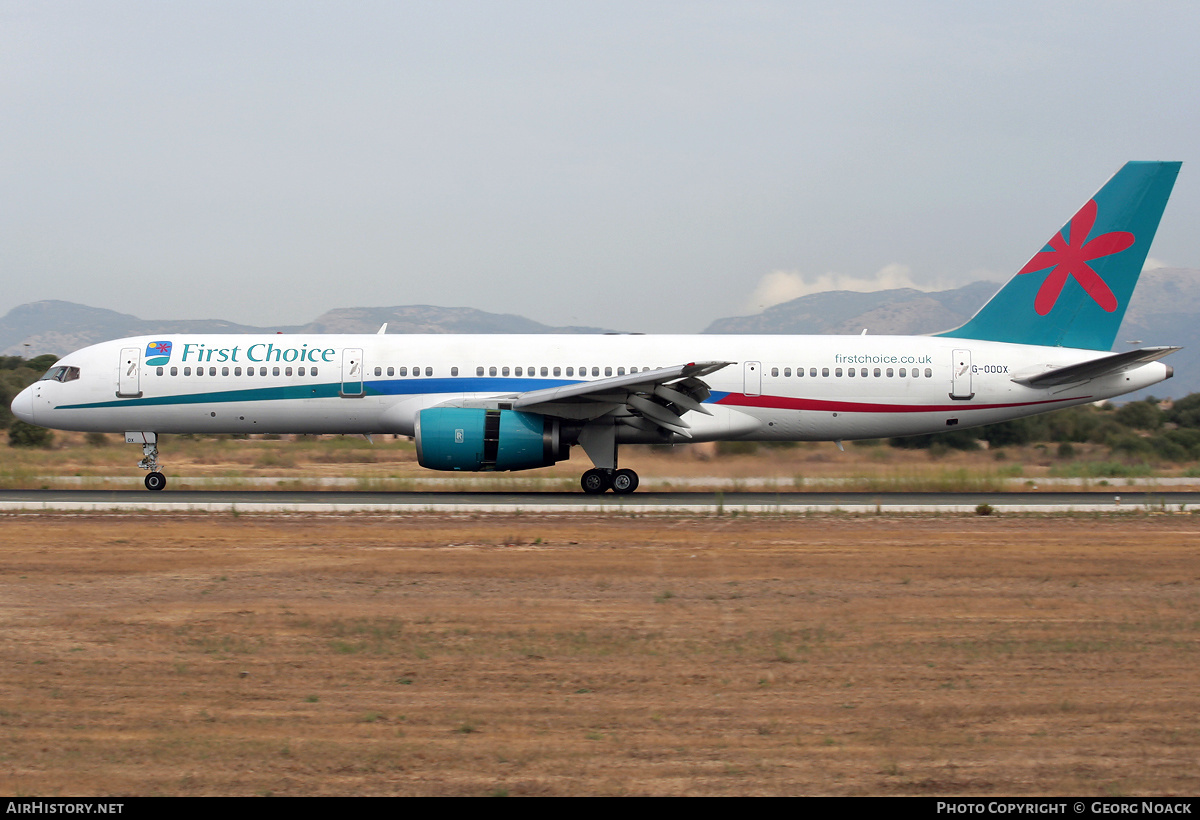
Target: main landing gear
x,y
596,481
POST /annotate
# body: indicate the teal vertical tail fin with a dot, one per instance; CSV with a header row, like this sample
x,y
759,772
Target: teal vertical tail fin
x,y
1073,293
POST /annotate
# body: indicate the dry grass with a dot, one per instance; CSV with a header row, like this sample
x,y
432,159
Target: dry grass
x,y
390,464
429,654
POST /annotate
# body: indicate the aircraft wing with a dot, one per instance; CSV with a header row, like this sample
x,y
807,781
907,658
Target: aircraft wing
x,y
1094,369
659,397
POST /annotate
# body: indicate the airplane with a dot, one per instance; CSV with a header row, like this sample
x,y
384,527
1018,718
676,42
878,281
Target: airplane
x,y
484,403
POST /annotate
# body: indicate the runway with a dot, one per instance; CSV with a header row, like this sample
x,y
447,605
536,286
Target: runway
x,y
266,501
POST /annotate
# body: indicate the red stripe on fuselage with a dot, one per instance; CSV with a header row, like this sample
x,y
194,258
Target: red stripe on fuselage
x,y
785,403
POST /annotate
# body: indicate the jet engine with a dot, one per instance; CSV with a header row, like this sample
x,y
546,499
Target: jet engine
x,y
477,439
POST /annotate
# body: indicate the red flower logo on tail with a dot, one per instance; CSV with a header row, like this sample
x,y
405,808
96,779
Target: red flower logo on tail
x,y
1071,257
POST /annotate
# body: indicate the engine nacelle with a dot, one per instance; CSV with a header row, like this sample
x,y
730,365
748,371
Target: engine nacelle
x,y
475,439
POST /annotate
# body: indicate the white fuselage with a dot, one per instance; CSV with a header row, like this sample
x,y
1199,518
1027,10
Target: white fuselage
x,y
795,388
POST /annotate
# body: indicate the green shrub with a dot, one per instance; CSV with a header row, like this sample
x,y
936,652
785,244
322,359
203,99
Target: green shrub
x,y
21,434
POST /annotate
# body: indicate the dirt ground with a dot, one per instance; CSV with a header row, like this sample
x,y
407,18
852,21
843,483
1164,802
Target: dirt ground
x,y
573,655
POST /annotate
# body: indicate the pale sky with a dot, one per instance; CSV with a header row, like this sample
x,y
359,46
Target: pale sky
x,y
640,166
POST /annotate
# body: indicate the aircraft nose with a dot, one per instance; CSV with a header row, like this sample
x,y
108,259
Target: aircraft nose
x,y
22,405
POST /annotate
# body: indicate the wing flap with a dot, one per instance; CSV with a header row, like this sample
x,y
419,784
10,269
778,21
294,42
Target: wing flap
x,y
660,397
643,382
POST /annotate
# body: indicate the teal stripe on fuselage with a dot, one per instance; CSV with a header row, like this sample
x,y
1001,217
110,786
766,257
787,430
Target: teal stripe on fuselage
x,y
290,392
388,387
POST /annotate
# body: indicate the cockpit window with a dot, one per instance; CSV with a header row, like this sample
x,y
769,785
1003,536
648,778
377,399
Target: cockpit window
x,y
61,373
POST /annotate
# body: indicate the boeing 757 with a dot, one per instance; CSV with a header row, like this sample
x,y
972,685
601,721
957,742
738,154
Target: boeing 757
x,y
481,403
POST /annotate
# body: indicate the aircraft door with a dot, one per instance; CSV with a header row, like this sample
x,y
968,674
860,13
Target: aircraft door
x,y
129,379
752,373
352,374
960,380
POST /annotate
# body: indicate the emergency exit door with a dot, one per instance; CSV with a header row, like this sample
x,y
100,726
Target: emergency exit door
x,y
130,379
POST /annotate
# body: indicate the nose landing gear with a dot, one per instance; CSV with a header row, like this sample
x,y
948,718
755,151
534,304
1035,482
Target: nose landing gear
x,y
155,480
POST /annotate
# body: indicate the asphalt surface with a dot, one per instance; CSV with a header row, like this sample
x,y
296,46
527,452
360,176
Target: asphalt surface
x,y
335,501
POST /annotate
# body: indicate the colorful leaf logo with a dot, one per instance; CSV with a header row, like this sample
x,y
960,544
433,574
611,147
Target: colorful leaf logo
x,y
1070,257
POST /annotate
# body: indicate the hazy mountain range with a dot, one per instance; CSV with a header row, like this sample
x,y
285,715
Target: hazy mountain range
x,y
1165,310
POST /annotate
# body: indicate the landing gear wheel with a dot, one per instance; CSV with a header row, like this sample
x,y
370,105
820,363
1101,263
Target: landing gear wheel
x,y
595,481
624,482
155,481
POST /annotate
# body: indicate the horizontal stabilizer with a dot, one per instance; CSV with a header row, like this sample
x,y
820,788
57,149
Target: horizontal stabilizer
x,y
1094,369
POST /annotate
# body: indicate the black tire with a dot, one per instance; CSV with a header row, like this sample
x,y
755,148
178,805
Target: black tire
x,y
155,481
624,482
595,482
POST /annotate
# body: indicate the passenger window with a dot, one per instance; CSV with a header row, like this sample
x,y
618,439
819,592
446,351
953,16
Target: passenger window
x,y
620,371
158,371
287,371
312,372
608,371
903,372
262,371
391,371
403,371
237,371
491,371
199,371
429,371
479,371
187,371
889,372
275,371
787,371
838,372
570,371
300,371
454,371
378,371
877,372
825,372
224,371
558,371
812,372
517,372
504,371
928,373
174,371
545,372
